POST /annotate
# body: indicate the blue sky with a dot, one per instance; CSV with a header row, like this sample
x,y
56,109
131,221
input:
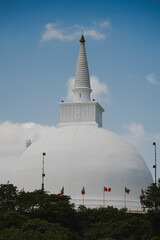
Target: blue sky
x,y
38,55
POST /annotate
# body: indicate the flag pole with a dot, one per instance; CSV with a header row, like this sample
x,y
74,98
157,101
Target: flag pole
x,y
103,198
124,197
83,193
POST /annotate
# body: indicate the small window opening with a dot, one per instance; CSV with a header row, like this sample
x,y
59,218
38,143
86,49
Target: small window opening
x,y
80,95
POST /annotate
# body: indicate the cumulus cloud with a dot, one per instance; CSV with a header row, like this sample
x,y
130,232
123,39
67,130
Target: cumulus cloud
x,y
99,89
57,31
13,138
137,135
52,31
70,85
94,34
105,24
102,24
152,79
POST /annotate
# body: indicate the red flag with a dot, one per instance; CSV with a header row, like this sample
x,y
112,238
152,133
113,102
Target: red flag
x,y
127,190
62,191
107,189
142,191
83,191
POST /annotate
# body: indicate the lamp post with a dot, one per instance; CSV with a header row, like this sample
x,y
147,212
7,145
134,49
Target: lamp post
x,y
155,166
43,174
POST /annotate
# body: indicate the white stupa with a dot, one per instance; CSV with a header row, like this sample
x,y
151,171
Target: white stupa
x,y
80,153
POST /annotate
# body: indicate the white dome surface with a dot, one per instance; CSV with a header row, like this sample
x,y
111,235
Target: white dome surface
x,y
85,155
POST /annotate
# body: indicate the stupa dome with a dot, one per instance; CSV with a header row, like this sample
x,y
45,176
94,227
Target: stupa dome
x,y
84,155
79,153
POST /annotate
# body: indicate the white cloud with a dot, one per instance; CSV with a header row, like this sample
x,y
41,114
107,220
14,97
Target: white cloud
x,y
142,140
94,34
70,85
56,31
53,32
105,24
137,135
152,79
99,89
13,138
102,24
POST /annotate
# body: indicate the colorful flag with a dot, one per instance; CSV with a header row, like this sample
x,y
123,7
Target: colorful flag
x,y
83,191
107,189
127,190
62,191
142,191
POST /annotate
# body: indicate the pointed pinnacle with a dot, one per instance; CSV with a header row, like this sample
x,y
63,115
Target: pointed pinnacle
x,y
82,39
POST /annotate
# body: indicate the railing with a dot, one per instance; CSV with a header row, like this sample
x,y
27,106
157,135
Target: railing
x,y
132,206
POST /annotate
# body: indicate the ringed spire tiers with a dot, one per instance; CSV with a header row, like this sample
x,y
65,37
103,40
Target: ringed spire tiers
x,y
82,88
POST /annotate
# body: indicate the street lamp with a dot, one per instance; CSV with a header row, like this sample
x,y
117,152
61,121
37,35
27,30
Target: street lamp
x,y
43,174
155,166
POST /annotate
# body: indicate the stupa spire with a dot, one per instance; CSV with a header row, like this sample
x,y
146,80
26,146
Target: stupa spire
x,y
82,88
82,110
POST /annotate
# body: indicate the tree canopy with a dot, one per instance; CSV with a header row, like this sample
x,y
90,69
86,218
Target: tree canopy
x,y
150,200
39,215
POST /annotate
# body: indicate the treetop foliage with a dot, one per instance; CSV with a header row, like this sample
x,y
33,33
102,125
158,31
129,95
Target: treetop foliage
x,y
39,215
151,199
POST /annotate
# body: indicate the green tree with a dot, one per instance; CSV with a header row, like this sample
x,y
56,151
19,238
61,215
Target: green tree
x,y
30,202
11,234
12,218
49,207
151,202
8,197
151,199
